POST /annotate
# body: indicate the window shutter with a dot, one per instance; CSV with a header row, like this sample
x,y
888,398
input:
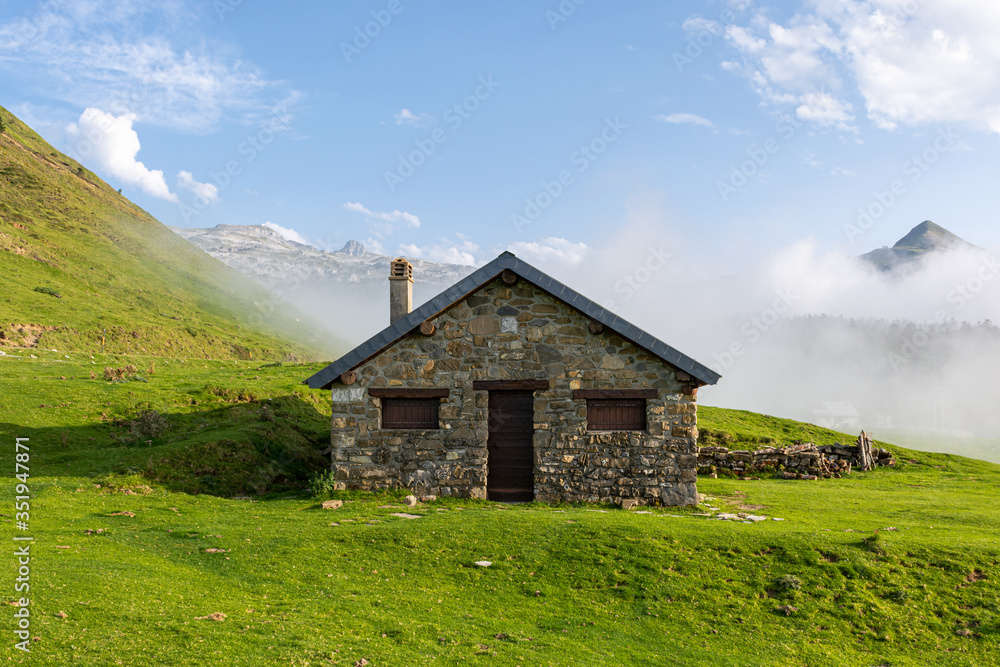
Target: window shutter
x,y
616,414
416,413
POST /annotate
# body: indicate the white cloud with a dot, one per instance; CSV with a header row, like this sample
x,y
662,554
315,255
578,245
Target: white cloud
x,y
407,117
824,109
286,233
207,192
912,63
101,53
110,142
445,253
551,249
382,224
682,118
698,24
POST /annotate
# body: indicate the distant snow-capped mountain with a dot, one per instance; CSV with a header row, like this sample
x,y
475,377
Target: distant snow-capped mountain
x,y
347,289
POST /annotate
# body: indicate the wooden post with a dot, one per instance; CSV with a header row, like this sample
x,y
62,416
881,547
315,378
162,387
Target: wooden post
x,y
595,327
864,444
508,276
348,377
427,328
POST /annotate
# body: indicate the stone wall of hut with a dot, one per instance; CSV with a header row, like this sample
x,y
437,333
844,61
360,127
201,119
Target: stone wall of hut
x,y
517,332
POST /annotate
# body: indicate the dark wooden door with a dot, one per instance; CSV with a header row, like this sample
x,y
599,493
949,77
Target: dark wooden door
x,y
511,465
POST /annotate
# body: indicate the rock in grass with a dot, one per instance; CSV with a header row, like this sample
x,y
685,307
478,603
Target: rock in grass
x,y
217,616
484,563
788,609
333,504
629,503
410,501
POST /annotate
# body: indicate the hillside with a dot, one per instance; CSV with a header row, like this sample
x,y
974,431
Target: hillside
x,y
134,544
924,240
324,284
84,269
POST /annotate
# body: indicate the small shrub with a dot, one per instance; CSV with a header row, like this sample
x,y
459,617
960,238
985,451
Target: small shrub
x,y
3,125
323,484
147,424
788,583
899,595
873,544
49,291
231,395
112,374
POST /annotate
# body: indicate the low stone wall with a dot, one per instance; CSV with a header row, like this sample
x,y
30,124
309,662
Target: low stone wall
x,y
802,461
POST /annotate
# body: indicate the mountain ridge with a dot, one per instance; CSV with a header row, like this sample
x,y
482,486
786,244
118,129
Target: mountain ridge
x,y
924,240
346,289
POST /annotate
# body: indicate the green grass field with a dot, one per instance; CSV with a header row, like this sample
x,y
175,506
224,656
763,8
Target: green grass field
x,y
84,269
572,585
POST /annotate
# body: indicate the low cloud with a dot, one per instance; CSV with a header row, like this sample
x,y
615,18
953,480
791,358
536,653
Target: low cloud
x,y
207,192
685,118
286,233
407,117
551,250
445,253
397,216
110,143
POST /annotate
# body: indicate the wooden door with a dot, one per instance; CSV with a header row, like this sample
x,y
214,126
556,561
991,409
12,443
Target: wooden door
x,y
511,464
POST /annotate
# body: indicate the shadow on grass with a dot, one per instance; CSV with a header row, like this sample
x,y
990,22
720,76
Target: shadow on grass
x,y
238,448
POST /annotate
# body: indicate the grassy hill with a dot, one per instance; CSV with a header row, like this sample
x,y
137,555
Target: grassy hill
x,y
136,552
84,269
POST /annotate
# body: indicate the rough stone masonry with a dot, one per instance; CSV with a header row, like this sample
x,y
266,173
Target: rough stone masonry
x,y
513,332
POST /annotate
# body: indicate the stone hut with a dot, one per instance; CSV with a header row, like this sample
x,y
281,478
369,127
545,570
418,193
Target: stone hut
x,y
511,386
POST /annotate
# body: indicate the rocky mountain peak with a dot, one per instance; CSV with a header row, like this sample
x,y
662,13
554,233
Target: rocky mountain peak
x,y
922,241
354,248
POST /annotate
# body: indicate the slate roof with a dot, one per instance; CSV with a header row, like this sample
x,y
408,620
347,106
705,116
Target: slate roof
x,y
325,378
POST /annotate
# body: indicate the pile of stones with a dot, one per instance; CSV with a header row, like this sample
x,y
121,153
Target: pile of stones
x,y
798,461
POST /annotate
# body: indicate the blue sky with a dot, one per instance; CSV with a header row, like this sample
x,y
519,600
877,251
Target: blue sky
x,y
455,130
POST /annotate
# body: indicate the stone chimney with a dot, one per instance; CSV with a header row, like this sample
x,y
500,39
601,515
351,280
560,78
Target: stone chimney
x,y
400,289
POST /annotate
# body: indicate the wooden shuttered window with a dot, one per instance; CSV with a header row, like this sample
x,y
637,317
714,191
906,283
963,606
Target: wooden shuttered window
x,y
615,409
409,408
616,414
419,413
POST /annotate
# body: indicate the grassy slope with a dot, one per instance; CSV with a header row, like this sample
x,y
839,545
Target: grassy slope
x,y
740,429
118,269
568,586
